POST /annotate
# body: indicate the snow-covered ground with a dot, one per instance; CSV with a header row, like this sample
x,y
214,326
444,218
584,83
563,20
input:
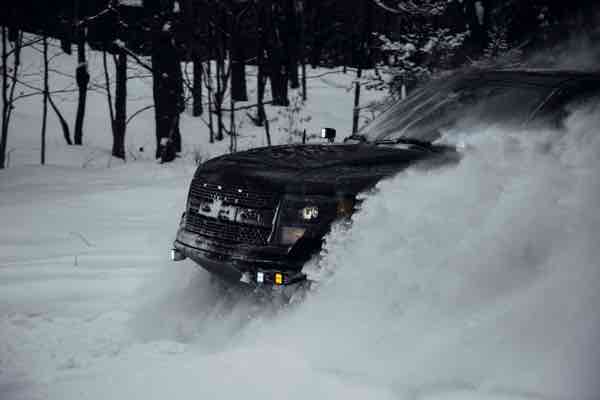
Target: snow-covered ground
x,y
479,281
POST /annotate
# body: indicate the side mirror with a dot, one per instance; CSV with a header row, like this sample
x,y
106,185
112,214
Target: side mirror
x,y
328,133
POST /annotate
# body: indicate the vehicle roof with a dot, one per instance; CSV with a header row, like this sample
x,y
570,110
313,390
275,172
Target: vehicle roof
x,y
546,83
537,77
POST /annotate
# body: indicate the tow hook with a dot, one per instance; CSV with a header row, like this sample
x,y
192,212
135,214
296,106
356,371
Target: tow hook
x,y
177,255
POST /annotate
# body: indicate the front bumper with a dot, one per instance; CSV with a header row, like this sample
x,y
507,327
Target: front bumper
x,y
255,265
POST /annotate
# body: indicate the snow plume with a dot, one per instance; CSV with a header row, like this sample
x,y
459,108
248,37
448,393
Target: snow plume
x,y
476,281
480,279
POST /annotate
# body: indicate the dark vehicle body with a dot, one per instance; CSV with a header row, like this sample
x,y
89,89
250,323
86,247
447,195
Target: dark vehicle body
x,y
257,216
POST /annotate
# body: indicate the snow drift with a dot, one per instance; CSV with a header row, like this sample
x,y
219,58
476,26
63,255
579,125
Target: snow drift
x,y
475,281
480,280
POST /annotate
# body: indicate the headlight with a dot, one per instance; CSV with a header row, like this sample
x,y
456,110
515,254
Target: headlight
x,y
309,213
290,235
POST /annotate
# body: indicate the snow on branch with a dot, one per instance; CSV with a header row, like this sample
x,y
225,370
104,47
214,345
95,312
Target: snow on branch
x,y
109,9
435,7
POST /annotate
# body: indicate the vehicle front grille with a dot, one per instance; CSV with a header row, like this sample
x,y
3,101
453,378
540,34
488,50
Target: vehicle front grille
x,y
242,197
227,230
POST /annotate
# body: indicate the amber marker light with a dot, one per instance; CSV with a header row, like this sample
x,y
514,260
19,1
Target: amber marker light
x,y
278,278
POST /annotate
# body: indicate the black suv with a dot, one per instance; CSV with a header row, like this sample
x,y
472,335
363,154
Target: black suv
x,y
257,216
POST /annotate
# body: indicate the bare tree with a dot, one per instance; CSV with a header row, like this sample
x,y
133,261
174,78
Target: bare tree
x,y
11,80
5,102
261,40
8,91
237,54
209,89
82,76
118,149
218,33
224,24
193,25
44,102
277,65
61,119
197,108
166,73
167,81
46,92
363,55
302,46
118,112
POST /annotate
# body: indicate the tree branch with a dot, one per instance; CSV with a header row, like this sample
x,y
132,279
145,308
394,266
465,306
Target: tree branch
x,y
108,93
130,53
63,123
141,110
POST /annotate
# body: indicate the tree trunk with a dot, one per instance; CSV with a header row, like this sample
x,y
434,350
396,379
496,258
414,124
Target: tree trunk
x,y
260,95
197,108
156,98
238,65
363,59
8,91
166,78
44,102
314,12
304,94
477,17
302,49
5,104
260,65
267,130
111,113
238,78
261,116
277,65
219,93
118,148
292,38
211,128
167,91
192,23
355,111
279,79
232,133
82,78
63,122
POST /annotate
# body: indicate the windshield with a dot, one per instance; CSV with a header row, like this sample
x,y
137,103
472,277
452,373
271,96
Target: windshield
x,y
441,105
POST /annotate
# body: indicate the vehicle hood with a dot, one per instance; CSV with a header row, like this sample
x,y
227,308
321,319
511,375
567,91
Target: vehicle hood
x,y
310,168
307,157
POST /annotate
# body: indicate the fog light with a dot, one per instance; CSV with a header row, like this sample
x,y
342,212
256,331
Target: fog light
x,y
278,278
290,235
309,213
176,255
